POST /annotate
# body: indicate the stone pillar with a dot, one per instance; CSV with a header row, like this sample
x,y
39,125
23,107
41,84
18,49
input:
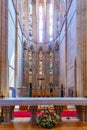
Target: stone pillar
x,y
44,73
34,22
82,113
37,71
4,47
33,110
26,74
78,111
11,112
47,79
6,114
55,19
58,110
16,45
55,69
0,43
81,48
34,73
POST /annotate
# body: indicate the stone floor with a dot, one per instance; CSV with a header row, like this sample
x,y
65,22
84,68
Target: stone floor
x,y
23,124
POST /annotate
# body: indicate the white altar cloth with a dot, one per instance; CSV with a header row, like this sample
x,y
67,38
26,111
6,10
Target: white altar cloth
x,y
43,101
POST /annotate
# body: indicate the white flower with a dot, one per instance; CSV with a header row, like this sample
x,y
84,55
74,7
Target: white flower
x,y
47,119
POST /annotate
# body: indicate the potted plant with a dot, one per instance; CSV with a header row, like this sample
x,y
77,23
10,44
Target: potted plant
x,y
47,119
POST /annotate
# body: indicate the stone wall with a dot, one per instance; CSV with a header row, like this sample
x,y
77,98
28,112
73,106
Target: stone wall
x,y
67,47
71,47
62,73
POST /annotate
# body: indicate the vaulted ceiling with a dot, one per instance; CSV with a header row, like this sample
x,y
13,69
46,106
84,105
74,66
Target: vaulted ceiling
x,y
23,11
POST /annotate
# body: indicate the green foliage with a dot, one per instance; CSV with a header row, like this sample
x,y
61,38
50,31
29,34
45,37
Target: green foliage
x,y
47,119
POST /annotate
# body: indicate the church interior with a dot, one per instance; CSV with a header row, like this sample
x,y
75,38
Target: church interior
x,y
43,54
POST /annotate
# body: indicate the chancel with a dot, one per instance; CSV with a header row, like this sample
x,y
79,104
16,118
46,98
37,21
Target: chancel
x,y
43,59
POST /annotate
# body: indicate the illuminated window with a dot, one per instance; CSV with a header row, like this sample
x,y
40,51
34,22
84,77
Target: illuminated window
x,y
40,62
30,62
51,62
51,22
40,23
62,10
30,19
51,66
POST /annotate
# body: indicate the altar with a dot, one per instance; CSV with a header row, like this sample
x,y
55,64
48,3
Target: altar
x,y
8,105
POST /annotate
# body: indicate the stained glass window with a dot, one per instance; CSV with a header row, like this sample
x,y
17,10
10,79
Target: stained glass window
x,y
51,62
50,21
62,10
30,62
40,23
40,62
51,66
30,19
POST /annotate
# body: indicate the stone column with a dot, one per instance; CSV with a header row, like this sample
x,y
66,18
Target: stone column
x,y
78,109
34,80
55,69
33,110
47,79
81,48
37,71
44,73
11,112
34,22
82,113
6,114
16,45
4,47
0,44
26,74
58,110
55,19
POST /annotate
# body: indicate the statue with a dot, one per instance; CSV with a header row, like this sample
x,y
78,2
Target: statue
x,y
30,90
62,91
51,87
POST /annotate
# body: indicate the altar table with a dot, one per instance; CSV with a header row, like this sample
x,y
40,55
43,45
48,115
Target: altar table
x,y
8,104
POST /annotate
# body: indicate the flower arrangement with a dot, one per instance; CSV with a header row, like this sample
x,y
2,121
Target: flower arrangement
x,y
47,119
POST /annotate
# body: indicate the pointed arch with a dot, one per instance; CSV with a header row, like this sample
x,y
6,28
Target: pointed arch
x,y
31,48
40,49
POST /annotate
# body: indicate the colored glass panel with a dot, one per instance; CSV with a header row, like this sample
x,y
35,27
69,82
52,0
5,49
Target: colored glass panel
x,y
30,19
51,21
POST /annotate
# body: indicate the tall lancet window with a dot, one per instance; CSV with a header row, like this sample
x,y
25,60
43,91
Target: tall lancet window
x,y
51,66
30,19
40,23
51,21
40,62
30,65
40,66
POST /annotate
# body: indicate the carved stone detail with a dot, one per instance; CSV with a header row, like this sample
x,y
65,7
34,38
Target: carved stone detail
x,y
6,114
33,110
12,112
58,110
82,113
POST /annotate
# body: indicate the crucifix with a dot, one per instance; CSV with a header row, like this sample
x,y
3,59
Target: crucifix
x,y
41,86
